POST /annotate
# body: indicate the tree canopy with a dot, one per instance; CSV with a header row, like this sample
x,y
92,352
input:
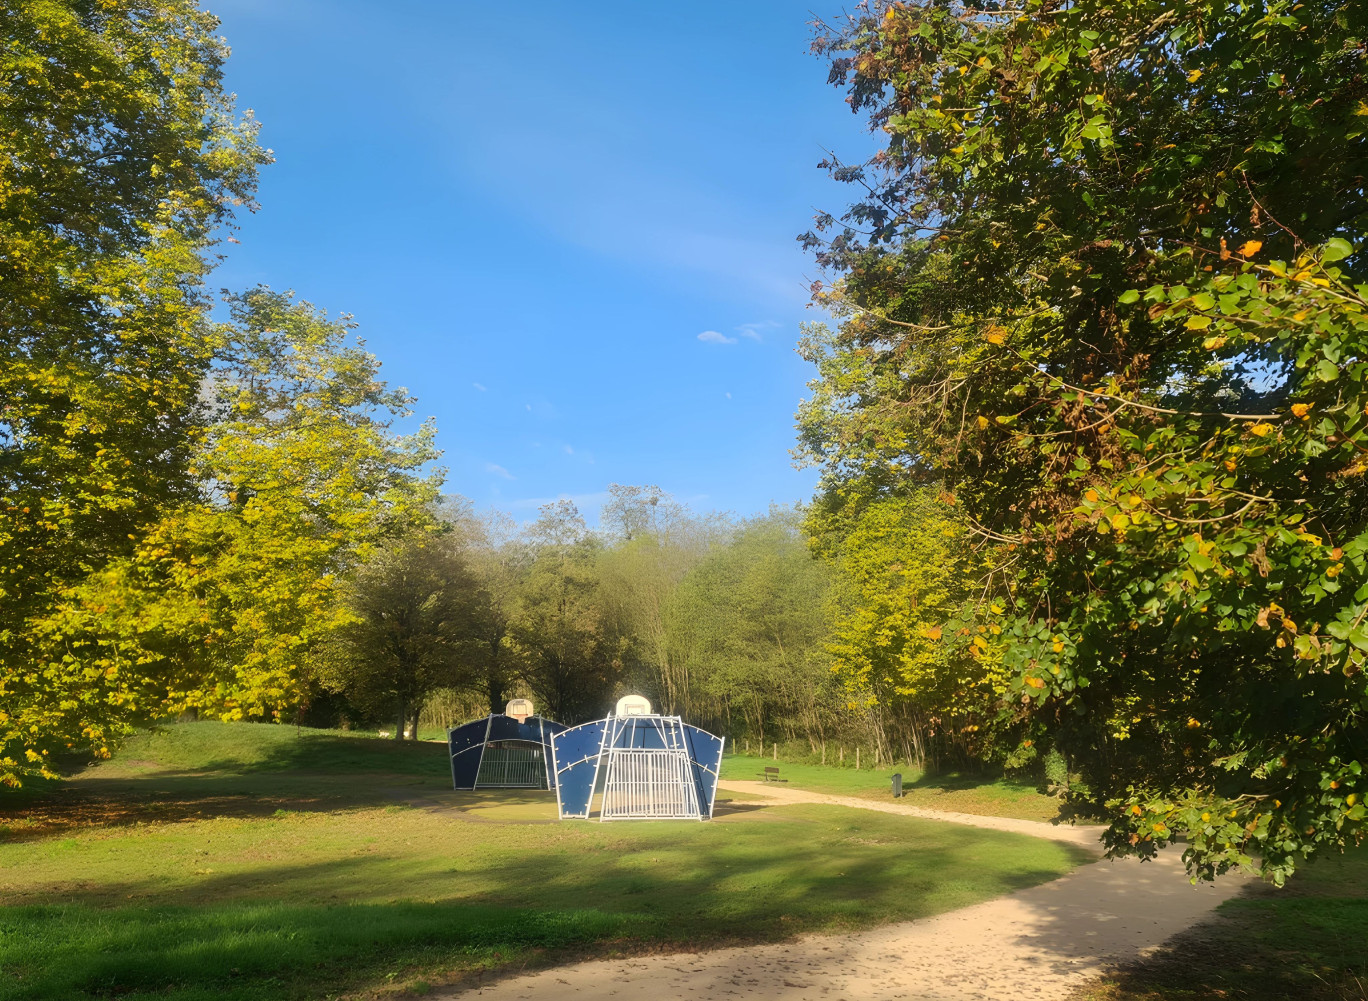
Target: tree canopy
x,y
1101,285
121,154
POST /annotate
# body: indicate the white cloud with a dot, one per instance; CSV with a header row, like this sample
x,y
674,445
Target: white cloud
x,y
498,470
729,396
528,406
569,450
755,331
713,337
479,387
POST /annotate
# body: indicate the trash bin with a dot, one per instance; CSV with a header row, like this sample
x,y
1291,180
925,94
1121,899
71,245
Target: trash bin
x,y
897,785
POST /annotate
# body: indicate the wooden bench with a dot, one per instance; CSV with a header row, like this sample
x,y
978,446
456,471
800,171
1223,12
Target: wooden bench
x,y
771,774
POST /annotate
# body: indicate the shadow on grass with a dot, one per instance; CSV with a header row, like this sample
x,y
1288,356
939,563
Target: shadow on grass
x,y
312,771
966,781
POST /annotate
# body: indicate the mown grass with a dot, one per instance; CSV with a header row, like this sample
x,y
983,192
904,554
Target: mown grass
x,y
1308,940
253,862
985,795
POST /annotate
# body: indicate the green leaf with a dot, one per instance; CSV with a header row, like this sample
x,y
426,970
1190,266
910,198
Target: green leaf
x,y
1128,297
1326,370
1337,249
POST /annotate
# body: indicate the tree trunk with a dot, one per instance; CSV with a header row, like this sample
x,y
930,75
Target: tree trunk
x,y
495,680
403,718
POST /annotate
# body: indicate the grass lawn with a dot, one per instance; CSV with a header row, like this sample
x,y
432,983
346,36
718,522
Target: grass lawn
x,y
1308,941
246,861
955,791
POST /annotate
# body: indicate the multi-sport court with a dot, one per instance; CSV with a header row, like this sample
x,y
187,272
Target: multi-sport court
x,y
639,765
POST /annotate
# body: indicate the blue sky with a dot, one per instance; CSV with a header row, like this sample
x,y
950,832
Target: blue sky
x,y
535,211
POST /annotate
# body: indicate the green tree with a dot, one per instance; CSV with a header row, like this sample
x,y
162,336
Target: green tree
x,y
749,622
499,560
121,153
406,628
570,655
650,543
302,476
1100,283
902,568
221,603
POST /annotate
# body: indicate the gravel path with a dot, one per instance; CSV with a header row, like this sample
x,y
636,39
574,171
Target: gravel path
x,y
1038,944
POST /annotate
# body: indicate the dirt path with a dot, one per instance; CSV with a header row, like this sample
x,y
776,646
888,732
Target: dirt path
x,y
1038,944
1081,834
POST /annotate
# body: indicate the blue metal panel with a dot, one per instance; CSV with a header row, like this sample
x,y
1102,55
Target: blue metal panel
x,y
466,746
575,754
705,758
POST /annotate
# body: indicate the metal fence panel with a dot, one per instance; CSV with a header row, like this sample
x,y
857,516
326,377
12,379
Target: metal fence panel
x,y
515,767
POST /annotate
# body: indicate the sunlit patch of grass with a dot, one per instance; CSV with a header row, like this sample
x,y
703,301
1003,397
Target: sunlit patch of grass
x,y
958,792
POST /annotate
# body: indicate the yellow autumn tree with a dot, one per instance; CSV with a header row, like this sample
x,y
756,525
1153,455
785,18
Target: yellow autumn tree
x,y
120,153
903,570
221,604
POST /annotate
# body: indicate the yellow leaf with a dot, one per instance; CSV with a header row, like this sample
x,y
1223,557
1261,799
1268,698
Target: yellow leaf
x,y
1261,429
1301,409
1250,247
982,421
1194,76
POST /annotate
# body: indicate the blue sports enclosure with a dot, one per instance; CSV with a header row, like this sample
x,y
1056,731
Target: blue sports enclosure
x,y
502,752
647,767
